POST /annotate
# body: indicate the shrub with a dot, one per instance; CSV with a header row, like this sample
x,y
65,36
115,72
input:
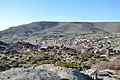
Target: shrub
x,y
67,64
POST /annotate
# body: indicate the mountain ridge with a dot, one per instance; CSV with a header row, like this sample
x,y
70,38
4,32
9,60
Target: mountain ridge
x,y
45,27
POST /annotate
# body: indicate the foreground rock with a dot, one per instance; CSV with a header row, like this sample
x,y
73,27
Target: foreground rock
x,y
28,74
65,73
44,72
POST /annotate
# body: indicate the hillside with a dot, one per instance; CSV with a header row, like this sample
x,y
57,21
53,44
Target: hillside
x,y
76,27
26,29
112,27
40,29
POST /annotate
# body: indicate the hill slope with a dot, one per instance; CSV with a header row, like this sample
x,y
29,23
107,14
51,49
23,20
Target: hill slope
x,y
76,27
26,31
112,27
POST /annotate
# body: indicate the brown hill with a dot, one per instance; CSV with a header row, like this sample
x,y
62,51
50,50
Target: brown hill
x,y
112,27
25,31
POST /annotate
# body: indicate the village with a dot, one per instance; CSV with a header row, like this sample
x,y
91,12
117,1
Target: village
x,y
106,44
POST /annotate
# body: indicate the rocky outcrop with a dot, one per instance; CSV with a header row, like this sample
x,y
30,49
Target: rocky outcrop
x,y
65,73
44,72
28,74
112,64
16,47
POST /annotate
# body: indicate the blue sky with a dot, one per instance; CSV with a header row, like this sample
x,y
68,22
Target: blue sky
x,y
16,12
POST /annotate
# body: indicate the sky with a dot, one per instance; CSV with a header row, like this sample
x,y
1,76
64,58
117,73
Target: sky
x,y
17,12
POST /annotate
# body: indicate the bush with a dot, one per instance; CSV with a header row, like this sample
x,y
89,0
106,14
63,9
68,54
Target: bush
x,y
3,57
44,62
67,64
